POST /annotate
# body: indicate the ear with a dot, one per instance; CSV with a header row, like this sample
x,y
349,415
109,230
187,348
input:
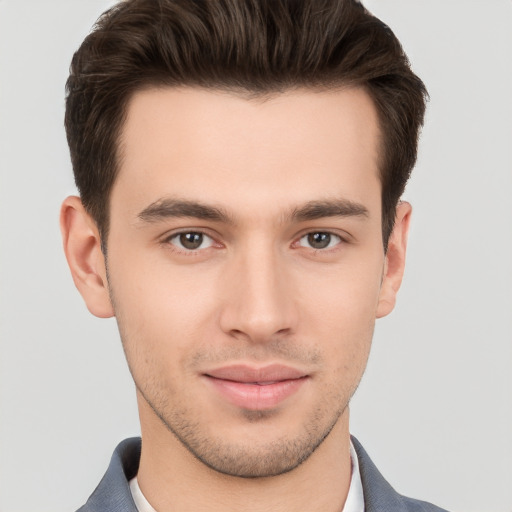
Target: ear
x,y
395,260
82,246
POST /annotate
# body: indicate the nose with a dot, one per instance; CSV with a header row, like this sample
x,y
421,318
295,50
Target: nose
x,y
258,303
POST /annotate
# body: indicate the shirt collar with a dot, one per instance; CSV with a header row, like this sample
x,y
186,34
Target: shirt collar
x,y
353,503
355,497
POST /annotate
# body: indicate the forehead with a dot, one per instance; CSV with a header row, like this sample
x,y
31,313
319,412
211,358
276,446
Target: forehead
x,y
215,146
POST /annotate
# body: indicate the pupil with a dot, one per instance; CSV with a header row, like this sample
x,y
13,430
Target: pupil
x,y
319,240
191,240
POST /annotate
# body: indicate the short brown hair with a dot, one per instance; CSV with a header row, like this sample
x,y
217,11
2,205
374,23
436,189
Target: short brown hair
x,y
254,46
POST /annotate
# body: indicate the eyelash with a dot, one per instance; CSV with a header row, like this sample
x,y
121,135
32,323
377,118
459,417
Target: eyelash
x,y
167,241
323,250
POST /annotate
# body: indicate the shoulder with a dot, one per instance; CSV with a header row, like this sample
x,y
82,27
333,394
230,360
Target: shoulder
x,y
379,495
113,492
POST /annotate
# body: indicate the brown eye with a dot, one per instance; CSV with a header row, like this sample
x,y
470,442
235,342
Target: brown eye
x,y
319,240
191,241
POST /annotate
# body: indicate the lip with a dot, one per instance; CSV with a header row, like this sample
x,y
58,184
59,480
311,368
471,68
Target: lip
x,y
256,388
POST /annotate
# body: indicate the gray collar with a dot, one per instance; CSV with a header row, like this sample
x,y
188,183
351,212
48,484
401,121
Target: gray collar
x,y
113,492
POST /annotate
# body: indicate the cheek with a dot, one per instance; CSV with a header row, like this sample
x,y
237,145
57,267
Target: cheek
x,y
162,311
345,294
338,310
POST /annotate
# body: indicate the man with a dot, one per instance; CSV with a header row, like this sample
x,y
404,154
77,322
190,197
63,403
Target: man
x,y
240,166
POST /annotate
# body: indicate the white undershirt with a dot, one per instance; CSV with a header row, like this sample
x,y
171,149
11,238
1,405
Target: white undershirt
x,y
354,502
141,502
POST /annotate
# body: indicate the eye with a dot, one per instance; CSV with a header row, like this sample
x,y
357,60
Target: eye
x,y
319,240
191,241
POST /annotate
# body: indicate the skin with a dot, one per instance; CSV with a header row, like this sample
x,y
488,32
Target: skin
x,y
256,290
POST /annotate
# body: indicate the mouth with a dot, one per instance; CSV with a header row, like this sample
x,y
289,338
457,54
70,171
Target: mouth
x,y
253,388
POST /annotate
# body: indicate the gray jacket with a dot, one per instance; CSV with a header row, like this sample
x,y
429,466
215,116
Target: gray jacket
x,y
113,492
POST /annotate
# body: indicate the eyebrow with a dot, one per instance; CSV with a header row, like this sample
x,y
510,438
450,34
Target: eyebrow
x,y
314,210
169,208
175,208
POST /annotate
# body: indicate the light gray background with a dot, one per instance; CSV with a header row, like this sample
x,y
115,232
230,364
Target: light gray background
x,y
435,407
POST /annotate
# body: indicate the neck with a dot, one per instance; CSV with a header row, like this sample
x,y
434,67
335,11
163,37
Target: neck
x,y
172,479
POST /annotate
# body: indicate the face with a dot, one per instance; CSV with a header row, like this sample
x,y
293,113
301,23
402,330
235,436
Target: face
x,y
246,268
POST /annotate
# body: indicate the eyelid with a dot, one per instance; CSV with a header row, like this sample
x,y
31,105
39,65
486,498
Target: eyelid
x,y
342,235
167,237
329,246
192,229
